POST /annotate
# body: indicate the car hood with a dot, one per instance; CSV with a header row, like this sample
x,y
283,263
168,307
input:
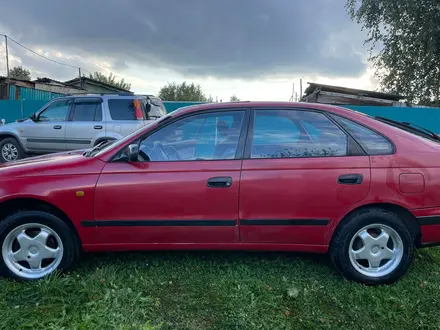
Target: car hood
x,y
63,163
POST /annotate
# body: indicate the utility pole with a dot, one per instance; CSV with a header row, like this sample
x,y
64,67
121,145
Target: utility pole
x,y
300,89
7,56
7,68
80,78
292,97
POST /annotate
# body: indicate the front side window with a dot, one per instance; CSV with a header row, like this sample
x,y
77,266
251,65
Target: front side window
x,y
57,111
212,136
87,111
296,134
372,142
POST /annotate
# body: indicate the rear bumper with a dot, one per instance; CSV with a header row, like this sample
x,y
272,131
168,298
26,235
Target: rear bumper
x,y
429,221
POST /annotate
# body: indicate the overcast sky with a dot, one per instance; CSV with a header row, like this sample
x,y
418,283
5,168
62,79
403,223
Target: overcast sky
x,y
255,49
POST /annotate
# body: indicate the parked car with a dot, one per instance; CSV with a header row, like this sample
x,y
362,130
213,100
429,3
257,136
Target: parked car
x,y
232,176
78,122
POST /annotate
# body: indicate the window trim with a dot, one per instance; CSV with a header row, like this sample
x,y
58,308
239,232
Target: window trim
x,y
393,146
353,149
240,145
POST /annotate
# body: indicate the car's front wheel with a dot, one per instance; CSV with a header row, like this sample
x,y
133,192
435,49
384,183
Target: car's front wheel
x,y
373,246
35,244
10,150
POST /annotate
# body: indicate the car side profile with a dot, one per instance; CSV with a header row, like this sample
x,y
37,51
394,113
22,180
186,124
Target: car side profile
x,y
78,122
232,176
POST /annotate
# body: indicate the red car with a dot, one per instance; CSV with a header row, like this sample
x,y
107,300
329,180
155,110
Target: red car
x,y
232,176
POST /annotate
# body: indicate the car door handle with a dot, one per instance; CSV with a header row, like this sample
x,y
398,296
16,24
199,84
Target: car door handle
x,y
57,127
97,127
219,182
350,179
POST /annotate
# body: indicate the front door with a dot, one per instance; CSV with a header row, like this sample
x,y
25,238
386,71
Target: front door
x,y
302,171
85,123
47,133
183,189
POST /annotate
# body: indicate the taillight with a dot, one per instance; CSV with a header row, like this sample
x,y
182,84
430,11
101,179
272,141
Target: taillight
x,y
138,110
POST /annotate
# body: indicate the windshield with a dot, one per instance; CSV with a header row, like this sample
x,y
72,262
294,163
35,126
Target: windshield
x,y
120,142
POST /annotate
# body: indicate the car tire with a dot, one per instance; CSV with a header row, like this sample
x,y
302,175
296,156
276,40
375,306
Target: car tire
x,y
372,246
35,244
10,150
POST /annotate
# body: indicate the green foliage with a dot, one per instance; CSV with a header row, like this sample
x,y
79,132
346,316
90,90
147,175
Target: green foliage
x,y
404,37
18,72
234,98
183,92
221,290
110,80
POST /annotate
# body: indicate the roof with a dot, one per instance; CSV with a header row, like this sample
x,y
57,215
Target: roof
x,y
351,91
2,78
95,82
269,105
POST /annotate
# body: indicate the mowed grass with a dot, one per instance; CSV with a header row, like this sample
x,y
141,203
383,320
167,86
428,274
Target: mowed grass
x,y
220,290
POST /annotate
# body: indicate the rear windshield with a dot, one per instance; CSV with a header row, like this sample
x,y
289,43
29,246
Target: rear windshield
x,y
123,109
157,109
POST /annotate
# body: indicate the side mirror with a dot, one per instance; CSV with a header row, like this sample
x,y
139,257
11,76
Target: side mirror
x,y
133,152
33,117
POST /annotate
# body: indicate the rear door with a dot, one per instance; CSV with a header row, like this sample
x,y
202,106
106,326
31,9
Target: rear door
x,y
85,123
47,133
303,171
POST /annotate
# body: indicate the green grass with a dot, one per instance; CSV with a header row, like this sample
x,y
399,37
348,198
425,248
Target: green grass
x,y
219,290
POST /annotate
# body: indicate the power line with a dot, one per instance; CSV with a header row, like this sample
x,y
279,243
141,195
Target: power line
x,y
45,57
42,56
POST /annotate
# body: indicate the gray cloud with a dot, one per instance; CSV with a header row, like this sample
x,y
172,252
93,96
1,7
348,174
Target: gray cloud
x,y
228,38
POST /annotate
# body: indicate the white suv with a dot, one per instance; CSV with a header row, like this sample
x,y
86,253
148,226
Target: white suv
x,y
78,122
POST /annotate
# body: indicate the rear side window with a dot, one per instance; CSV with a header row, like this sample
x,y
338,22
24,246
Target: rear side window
x,y
123,109
87,111
373,143
296,134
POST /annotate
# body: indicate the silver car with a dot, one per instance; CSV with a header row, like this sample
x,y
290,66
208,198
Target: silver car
x,y
78,122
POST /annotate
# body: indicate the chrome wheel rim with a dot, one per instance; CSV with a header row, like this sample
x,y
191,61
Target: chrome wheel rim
x,y
32,251
376,250
9,152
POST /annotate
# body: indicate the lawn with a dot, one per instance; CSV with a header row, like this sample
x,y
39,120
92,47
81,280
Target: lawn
x,y
220,290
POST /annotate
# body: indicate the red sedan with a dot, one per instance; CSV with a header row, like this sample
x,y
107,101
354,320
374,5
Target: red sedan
x,y
232,176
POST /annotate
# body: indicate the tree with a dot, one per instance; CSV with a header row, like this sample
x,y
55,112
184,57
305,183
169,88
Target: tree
x,y
110,80
18,72
183,92
404,40
234,99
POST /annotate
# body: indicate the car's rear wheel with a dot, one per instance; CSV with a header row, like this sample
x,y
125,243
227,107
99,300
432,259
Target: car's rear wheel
x,y
372,246
10,150
35,244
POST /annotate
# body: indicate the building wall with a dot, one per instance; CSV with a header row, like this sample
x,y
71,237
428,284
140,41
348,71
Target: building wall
x,y
57,89
92,88
31,94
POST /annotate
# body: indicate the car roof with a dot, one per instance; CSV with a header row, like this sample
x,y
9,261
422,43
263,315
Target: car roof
x,y
263,104
103,95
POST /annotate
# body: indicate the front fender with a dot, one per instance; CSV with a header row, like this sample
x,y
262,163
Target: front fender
x,y
8,131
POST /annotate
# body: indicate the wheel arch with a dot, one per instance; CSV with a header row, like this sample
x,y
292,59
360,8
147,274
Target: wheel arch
x,y
5,135
13,205
404,214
